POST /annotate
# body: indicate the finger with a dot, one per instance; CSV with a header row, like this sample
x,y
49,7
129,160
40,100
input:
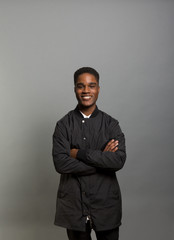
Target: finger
x,y
110,142
106,149
115,149
113,145
114,141
108,145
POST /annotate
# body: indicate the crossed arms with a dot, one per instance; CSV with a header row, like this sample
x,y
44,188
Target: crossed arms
x,y
112,146
85,162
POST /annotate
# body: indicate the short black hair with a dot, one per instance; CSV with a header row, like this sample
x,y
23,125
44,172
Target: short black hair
x,y
86,70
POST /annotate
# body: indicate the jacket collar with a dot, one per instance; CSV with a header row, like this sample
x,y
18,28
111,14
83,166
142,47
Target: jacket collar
x,y
94,114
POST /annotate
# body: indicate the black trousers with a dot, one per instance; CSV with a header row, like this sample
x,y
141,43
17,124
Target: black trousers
x,y
102,235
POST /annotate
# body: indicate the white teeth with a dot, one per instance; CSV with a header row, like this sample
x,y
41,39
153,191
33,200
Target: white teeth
x,y
86,97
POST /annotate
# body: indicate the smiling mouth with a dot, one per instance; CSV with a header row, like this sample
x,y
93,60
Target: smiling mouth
x,y
86,97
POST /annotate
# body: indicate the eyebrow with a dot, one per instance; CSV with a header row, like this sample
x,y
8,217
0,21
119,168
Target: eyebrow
x,y
91,83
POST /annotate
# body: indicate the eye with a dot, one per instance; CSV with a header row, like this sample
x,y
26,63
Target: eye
x,y
92,86
79,86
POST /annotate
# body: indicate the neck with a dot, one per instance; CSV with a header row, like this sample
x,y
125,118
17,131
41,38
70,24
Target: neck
x,y
88,110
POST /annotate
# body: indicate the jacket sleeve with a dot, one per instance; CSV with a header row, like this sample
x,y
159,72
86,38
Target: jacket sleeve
x,y
113,161
61,156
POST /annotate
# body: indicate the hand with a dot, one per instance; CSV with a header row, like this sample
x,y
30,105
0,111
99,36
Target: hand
x,y
73,152
112,146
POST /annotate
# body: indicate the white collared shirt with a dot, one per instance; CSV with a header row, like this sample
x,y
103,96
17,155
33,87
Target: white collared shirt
x,y
85,116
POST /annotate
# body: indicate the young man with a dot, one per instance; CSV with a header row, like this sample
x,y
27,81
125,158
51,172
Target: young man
x,y
88,148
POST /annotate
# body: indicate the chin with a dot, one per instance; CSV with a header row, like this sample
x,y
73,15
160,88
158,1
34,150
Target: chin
x,y
87,105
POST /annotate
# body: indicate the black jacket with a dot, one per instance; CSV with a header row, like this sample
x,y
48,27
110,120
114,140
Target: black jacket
x,y
88,185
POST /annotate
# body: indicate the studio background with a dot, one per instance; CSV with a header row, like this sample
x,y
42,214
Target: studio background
x,y
42,43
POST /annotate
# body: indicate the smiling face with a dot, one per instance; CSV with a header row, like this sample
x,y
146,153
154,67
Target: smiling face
x,y
87,90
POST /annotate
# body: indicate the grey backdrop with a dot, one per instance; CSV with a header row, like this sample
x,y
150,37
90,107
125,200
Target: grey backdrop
x,y
42,43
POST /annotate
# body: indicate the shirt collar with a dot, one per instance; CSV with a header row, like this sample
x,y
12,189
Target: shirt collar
x,y
94,114
85,116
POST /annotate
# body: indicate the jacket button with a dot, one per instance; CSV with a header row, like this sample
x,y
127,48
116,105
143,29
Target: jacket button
x,y
83,121
84,138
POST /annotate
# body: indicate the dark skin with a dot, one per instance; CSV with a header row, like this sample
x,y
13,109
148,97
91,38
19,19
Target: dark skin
x,y
87,90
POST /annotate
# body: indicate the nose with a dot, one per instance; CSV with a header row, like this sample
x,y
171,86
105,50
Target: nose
x,y
86,89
